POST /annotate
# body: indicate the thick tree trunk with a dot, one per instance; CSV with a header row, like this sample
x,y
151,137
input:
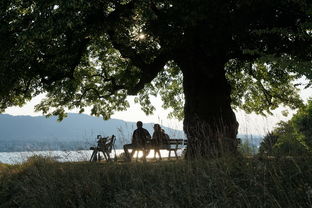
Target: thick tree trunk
x,y
210,123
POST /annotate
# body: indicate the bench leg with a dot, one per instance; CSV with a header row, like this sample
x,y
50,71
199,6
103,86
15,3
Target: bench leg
x,y
175,152
157,151
106,156
99,156
93,156
169,154
131,154
145,153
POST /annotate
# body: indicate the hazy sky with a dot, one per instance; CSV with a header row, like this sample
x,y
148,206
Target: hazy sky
x,y
249,123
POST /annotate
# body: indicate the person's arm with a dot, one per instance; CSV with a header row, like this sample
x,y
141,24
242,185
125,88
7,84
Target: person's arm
x,y
147,135
167,138
163,138
133,137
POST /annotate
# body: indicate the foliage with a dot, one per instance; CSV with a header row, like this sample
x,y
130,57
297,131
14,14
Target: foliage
x,y
267,144
83,53
227,182
288,142
302,122
262,87
168,84
292,137
247,148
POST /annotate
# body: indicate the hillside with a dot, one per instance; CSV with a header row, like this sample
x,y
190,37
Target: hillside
x,y
77,131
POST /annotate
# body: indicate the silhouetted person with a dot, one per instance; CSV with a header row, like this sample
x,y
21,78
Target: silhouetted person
x,y
167,138
139,139
159,139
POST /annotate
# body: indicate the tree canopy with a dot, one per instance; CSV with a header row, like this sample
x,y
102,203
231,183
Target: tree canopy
x,y
293,137
203,57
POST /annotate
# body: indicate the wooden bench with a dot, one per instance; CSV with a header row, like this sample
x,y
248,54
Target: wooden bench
x,y
105,145
176,144
173,146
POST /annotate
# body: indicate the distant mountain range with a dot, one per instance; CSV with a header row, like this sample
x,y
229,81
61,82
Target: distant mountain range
x,y
76,132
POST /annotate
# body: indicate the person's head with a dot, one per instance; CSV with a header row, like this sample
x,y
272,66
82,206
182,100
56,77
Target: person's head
x,y
139,124
157,127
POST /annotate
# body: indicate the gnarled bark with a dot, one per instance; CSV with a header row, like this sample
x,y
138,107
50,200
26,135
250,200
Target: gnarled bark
x,y
210,123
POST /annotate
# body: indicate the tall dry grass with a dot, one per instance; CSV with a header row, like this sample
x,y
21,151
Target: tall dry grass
x,y
224,182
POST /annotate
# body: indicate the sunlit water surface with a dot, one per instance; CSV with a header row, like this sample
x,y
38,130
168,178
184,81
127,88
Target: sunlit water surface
x,y
65,156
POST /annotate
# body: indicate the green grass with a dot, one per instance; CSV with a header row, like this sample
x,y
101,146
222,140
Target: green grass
x,y
227,182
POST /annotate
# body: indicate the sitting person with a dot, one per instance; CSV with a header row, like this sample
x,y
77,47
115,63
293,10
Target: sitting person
x,y
167,138
139,139
159,139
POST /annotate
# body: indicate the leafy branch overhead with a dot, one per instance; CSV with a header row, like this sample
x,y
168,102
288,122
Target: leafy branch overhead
x,y
95,53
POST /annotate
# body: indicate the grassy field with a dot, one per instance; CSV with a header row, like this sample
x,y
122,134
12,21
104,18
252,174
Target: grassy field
x,y
226,182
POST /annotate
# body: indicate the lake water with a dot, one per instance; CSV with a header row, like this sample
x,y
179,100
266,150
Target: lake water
x,y
63,156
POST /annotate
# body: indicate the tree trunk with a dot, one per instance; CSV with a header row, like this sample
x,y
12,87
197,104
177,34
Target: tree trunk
x,y
210,123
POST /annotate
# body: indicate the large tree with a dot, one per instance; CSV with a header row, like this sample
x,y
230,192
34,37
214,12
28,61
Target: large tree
x,y
217,54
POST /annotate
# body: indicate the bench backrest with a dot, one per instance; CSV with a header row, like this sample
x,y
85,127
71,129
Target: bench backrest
x,y
177,141
107,143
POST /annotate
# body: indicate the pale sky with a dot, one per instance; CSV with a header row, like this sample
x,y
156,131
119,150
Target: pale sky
x,y
249,123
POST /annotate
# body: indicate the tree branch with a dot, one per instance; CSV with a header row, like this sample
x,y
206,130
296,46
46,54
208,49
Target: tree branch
x,y
148,73
114,86
110,23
